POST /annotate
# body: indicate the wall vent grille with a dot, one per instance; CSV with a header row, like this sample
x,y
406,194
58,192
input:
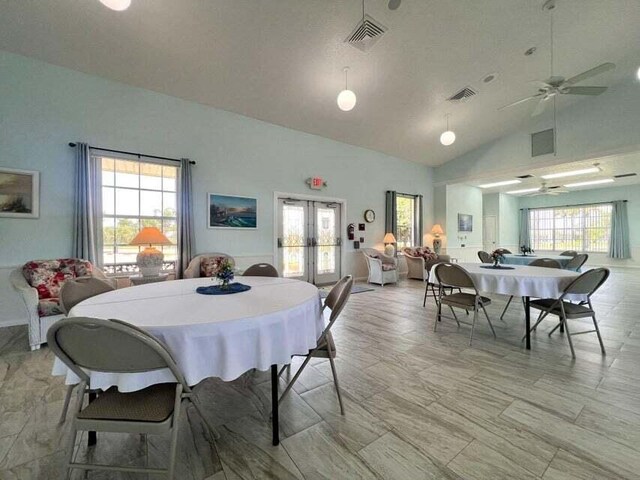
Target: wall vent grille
x,y
625,175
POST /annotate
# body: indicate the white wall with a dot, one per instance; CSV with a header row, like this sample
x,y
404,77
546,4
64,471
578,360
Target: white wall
x,y
43,107
467,200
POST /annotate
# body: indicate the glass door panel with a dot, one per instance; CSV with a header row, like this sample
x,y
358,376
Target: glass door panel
x,y
326,242
292,239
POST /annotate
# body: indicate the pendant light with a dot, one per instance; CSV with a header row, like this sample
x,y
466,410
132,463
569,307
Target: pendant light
x,y
447,138
346,98
117,5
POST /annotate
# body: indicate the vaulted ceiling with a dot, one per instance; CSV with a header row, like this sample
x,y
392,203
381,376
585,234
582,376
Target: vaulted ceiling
x,y
281,60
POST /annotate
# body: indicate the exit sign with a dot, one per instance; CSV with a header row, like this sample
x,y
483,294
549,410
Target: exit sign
x,y
316,183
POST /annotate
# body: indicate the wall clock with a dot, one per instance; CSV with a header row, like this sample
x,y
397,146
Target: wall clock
x,y
369,216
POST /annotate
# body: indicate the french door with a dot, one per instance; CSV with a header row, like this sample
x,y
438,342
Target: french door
x,y
309,243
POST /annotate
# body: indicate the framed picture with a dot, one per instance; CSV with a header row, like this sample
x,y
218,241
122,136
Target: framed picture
x,y
230,211
19,193
465,222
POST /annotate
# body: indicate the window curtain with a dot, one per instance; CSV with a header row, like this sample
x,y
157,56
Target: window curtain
x,y
391,224
619,243
87,206
419,221
185,218
525,228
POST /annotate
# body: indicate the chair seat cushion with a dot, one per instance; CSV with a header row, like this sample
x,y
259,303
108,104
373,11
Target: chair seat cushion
x,y
209,266
464,300
152,404
49,306
569,308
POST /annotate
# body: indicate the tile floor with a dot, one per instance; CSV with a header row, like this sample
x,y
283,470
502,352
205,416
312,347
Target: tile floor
x,y
419,404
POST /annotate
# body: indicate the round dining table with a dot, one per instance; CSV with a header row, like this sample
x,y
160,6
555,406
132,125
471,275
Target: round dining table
x,y
519,281
519,259
220,336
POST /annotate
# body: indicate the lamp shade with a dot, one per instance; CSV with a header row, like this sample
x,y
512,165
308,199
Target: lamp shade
x,y
437,229
389,238
150,236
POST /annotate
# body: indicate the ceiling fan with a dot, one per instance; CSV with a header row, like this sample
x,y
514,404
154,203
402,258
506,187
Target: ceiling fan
x,y
544,190
556,85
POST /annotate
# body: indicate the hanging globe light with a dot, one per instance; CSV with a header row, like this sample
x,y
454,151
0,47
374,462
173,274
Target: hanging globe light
x,y
447,138
117,5
346,98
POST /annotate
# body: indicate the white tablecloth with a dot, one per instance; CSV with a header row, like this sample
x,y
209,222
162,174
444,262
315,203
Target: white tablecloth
x,y
513,259
210,335
522,281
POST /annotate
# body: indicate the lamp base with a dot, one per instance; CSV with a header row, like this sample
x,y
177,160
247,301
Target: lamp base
x,y
150,262
437,244
389,250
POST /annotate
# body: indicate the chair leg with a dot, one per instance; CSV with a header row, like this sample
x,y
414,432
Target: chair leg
x,y
566,326
595,324
72,444
506,307
65,406
295,377
335,380
426,291
174,444
284,367
438,316
559,325
489,320
454,315
473,324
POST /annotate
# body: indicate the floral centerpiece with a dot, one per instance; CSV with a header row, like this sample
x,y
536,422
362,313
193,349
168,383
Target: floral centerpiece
x,y
225,273
525,250
496,256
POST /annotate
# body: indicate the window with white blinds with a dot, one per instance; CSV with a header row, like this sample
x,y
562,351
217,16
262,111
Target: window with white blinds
x,y
584,228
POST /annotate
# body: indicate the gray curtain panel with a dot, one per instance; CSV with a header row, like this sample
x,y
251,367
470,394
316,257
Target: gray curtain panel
x,y
185,218
420,226
525,228
87,207
619,244
390,221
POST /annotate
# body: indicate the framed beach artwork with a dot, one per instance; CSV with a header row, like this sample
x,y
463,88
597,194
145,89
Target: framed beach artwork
x,y
465,222
19,193
230,211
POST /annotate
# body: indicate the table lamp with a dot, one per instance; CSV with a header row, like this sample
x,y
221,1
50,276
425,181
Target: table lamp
x,y
150,259
437,243
389,241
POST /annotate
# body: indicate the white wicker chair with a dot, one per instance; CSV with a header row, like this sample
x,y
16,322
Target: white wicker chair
x,y
383,269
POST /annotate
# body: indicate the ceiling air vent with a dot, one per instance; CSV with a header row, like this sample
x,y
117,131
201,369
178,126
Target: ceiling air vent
x,y
625,175
465,94
367,32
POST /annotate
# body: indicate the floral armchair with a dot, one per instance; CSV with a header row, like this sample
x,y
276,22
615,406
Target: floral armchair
x,y
382,268
420,260
206,265
39,283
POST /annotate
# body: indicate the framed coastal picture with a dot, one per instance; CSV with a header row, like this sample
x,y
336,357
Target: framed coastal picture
x,y
19,193
465,222
230,211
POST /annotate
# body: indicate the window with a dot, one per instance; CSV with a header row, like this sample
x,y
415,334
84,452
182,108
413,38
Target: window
x,y
584,228
136,194
406,221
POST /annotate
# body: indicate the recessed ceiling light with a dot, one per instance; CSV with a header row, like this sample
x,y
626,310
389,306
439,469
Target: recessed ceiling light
x,y
117,5
526,190
582,171
638,74
500,184
591,182
490,78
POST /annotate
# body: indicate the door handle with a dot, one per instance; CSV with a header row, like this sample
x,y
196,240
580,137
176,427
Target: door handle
x,y
314,242
279,242
308,241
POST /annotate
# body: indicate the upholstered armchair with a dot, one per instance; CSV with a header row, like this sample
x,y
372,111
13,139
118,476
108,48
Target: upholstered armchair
x,y
420,260
206,265
38,282
382,268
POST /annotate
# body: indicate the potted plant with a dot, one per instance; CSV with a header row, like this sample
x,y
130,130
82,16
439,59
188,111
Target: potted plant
x,y
496,256
225,273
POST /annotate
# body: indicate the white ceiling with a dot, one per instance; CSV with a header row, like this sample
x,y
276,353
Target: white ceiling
x,y
281,60
609,166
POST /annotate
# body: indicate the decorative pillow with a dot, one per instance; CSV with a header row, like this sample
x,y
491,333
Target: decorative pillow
x,y
427,254
412,252
209,266
47,276
49,306
387,267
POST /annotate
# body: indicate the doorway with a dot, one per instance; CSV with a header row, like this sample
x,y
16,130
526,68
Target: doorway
x,y
489,233
309,245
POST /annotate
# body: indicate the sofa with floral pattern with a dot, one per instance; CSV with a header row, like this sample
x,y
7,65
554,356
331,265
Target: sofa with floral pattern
x,y
206,265
420,260
39,283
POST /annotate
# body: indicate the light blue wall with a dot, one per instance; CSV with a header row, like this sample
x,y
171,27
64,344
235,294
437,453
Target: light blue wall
x,y
630,193
43,107
590,127
508,230
467,200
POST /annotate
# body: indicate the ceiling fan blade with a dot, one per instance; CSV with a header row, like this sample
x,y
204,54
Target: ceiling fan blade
x,y
584,90
542,104
521,101
605,67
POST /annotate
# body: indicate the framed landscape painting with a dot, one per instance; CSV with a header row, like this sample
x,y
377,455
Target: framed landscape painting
x,y
465,222
19,193
230,211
